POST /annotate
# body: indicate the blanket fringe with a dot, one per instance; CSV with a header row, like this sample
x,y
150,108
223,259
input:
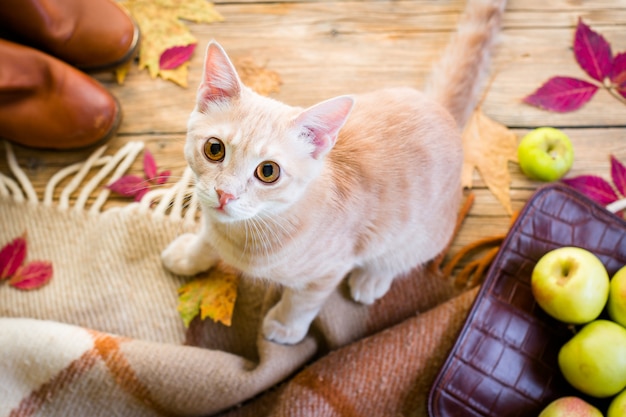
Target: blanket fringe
x,y
176,201
24,183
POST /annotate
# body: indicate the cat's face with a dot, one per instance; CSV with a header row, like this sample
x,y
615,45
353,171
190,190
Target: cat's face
x,y
248,161
254,156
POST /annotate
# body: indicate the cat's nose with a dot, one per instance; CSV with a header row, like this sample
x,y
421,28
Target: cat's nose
x,y
224,197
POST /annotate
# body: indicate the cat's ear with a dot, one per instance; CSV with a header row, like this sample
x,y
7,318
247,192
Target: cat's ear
x,y
321,123
219,79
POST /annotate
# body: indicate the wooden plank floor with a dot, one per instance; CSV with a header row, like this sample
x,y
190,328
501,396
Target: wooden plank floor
x,y
325,48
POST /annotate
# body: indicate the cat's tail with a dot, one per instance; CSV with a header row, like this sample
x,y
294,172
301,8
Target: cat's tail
x,y
458,79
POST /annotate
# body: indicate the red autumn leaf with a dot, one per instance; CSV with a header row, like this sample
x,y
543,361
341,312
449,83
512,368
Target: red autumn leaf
x,y
139,195
137,187
163,177
562,94
149,165
175,56
33,275
618,75
592,52
618,175
12,256
128,185
594,187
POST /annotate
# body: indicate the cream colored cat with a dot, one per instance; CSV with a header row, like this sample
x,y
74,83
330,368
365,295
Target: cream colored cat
x,y
364,186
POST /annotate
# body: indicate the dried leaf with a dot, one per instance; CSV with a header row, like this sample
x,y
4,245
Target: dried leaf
x,y
121,72
12,256
139,195
562,94
149,164
162,29
618,76
137,187
210,295
177,76
618,175
260,79
592,52
618,73
488,147
594,187
162,177
128,185
176,56
197,11
33,275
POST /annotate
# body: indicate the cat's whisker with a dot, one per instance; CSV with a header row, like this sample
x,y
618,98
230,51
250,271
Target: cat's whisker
x,y
280,222
271,226
264,241
246,239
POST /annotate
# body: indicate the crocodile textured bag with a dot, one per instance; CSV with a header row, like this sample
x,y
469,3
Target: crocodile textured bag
x,y
504,362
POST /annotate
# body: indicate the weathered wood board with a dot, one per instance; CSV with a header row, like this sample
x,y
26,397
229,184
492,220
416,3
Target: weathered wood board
x,y
321,49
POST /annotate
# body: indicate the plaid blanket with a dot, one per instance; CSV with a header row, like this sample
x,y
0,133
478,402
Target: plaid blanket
x,y
104,336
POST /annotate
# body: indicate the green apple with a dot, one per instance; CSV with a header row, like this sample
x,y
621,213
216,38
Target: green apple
x,y
617,408
616,305
594,360
571,284
545,154
570,407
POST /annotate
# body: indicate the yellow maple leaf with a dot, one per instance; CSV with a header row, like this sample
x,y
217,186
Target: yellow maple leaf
x,y
211,294
161,28
488,146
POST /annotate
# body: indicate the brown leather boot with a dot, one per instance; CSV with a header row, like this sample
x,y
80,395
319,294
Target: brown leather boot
x,y
91,35
45,103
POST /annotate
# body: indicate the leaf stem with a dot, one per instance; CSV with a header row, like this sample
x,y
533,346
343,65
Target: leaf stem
x,y
615,94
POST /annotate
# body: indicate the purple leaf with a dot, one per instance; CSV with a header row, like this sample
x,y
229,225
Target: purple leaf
x,y
163,177
592,52
618,175
594,187
12,255
149,165
141,193
618,75
562,94
175,56
128,185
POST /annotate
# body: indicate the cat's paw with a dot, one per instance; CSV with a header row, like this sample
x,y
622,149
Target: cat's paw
x,y
365,288
278,332
177,257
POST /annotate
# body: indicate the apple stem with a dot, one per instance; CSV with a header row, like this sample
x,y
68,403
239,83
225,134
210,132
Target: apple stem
x,y
572,328
554,148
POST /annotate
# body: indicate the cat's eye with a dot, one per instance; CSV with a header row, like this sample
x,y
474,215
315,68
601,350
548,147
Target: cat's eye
x,y
267,171
214,149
